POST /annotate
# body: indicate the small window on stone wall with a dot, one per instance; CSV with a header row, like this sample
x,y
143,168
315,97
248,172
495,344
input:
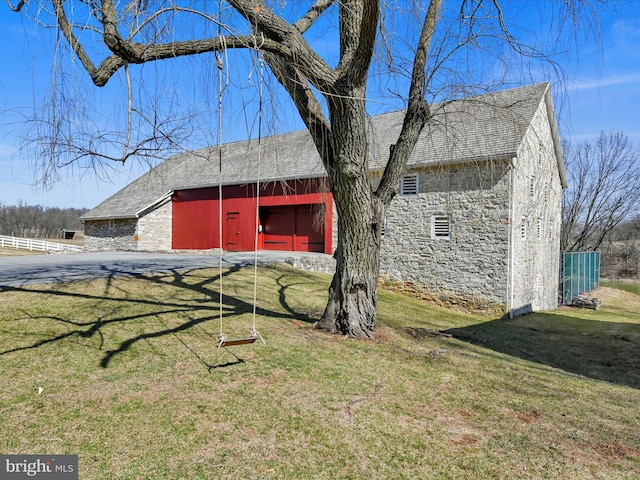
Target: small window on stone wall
x,y
111,224
540,153
383,231
532,185
523,229
409,185
441,227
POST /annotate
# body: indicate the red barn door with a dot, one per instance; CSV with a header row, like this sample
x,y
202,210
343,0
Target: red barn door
x,y
231,231
291,227
307,238
278,225
195,219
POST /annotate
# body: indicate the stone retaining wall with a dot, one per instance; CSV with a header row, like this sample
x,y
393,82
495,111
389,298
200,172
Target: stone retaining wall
x,y
313,263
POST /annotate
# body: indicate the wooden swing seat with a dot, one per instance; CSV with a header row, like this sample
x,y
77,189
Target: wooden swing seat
x,y
223,341
232,342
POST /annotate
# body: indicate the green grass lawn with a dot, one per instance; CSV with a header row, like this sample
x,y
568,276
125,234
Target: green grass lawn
x,y
15,252
123,373
629,286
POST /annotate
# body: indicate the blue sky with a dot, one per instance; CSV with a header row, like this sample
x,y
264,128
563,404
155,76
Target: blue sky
x,y
602,92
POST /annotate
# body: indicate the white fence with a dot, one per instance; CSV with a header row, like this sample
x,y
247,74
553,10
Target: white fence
x,y
27,243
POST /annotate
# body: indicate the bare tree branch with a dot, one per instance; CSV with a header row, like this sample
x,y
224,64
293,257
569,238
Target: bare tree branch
x,y
356,50
417,111
285,40
307,105
18,7
109,66
316,10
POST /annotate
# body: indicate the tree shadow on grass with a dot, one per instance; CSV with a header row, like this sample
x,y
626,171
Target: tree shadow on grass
x,y
600,350
196,311
306,316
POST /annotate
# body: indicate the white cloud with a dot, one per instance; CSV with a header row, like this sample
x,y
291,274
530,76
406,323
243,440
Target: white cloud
x,y
606,82
626,28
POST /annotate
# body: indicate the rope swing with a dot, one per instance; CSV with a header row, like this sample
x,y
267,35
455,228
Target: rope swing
x,y
223,340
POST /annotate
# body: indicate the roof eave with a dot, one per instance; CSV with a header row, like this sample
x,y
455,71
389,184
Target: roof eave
x,y
252,181
154,203
107,217
507,156
557,144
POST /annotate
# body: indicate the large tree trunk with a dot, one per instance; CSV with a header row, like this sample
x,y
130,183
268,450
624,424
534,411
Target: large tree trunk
x,y
351,307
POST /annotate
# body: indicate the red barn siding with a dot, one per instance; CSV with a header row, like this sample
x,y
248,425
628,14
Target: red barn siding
x,y
287,213
194,219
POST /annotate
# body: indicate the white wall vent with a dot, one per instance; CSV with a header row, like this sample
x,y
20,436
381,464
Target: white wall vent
x,y
409,185
441,227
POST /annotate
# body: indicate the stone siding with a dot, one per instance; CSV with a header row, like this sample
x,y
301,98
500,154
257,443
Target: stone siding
x,y
537,200
154,232
503,249
313,262
473,262
110,235
151,232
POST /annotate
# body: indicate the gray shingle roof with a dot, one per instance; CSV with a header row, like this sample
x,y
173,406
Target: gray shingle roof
x,y
482,127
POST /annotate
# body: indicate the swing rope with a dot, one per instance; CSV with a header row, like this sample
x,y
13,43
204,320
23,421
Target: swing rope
x,y
223,82
223,341
254,331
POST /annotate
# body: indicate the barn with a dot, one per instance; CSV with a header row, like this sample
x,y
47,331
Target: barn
x,y
176,205
476,219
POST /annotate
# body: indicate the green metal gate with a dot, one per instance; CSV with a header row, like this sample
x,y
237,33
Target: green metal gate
x,y
580,273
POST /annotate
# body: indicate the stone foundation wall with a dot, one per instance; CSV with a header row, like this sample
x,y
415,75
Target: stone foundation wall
x,y
447,299
110,235
313,263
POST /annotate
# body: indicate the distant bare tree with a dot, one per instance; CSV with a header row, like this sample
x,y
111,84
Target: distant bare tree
x,y
36,221
604,189
621,251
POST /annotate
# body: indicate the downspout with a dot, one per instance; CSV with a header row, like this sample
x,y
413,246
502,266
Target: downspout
x,y
512,255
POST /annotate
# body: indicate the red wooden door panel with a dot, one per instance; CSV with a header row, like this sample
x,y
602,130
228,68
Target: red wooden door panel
x,y
278,227
232,231
307,237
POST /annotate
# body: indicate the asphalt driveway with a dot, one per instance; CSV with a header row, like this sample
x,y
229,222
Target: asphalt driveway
x,y
33,269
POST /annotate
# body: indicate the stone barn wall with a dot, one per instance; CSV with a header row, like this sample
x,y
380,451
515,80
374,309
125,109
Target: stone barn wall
x,y
470,265
110,235
537,221
151,232
154,231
